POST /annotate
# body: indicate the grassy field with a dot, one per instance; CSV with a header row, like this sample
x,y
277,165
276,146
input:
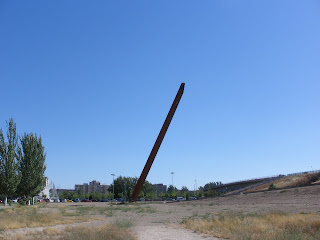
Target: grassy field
x,y
106,232
290,182
21,217
269,226
292,213
47,216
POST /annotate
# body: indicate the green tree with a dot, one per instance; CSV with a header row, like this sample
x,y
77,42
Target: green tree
x,y
10,156
32,165
127,184
120,183
184,192
200,192
172,192
148,190
162,195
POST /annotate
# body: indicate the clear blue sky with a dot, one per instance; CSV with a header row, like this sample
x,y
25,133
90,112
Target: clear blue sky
x,y
96,80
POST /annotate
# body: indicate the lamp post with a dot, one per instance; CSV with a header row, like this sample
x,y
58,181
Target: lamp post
x,y
196,187
124,197
172,179
113,184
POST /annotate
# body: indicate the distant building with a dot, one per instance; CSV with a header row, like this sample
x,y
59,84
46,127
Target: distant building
x,y
92,187
160,188
45,191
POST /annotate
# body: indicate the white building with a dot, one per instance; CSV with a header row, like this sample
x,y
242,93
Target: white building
x,y
45,192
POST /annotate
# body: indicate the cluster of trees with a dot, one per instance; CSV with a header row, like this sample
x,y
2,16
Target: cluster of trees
x,y
208,189
90,196
124,186
22,163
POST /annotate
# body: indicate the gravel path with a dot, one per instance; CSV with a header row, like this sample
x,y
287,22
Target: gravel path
x,y
162,232
154,232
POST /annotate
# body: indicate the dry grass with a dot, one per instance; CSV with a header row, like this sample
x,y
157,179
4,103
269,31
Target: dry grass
x,y
270,226
48,217
106,232
290,181
24,216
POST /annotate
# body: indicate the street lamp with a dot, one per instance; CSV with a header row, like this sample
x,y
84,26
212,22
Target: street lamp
x,y
172,178
113,184
196,187
124,197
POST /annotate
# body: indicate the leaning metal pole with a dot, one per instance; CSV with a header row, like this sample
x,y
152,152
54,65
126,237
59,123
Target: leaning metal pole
x,y
157,144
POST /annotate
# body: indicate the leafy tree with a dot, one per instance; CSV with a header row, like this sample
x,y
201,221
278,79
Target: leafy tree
x,y
184,189
69,195
161,195
172,191
32,165
200,192
211,185
208,189
148,190
127,184
9,161
119,185
184,192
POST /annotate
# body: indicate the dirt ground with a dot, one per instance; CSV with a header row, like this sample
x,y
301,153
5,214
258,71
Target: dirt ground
x,y
162,220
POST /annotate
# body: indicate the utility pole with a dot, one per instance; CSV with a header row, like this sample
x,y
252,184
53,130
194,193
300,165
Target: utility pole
x,y
124,189
113,185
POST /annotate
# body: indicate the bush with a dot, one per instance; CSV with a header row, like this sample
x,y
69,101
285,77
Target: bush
x,y
272,187
23,202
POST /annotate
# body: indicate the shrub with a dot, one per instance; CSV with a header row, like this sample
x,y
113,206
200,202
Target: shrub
x,y
23,201
272,187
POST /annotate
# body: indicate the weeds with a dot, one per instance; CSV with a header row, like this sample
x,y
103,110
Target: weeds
x,y
106,232
259,226
147,209
23,216
122,223
289,182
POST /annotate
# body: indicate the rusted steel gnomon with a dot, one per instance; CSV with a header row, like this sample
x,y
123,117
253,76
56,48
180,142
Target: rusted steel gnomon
x,y
157,144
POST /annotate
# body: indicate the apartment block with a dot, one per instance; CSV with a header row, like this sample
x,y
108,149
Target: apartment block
x,y
91,187
160,188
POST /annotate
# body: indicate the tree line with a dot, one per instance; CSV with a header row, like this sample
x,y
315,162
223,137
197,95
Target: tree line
x,y
22,163
123,188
